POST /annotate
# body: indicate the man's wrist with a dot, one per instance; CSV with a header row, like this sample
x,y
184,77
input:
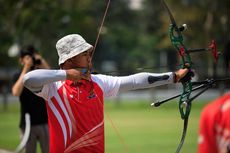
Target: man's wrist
x,y
175,78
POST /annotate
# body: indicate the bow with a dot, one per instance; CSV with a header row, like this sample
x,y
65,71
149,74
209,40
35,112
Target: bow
x,y
185,101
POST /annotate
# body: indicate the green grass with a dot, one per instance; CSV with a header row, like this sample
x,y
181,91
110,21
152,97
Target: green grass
x,y
150,130
142,128
9,129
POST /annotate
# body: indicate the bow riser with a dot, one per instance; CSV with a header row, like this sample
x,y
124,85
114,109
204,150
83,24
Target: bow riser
x,y
177,41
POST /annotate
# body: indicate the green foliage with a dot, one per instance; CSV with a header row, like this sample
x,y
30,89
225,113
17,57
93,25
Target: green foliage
x,y
131,38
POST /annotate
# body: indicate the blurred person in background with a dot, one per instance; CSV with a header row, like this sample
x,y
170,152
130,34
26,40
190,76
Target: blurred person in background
x,y
214,129
30,103
75,97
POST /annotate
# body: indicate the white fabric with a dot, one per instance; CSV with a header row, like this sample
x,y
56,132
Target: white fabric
x,y
70,46
45,81
112,86
35,80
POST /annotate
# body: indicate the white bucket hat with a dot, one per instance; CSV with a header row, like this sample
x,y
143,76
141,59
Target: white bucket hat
x,y
70,46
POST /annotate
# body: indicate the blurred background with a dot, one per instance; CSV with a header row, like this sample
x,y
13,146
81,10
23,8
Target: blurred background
x,y
135,33
134,37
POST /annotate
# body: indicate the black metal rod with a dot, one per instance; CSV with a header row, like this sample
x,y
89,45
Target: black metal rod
x,y
198,50
207,83
199,82
176,96
202,91
222,79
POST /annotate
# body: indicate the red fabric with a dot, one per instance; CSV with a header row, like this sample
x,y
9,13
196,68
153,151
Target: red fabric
x,y
214,133
76,120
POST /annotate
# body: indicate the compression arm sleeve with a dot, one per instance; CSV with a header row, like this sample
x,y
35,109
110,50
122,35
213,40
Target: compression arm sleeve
x,y
35,80
145,80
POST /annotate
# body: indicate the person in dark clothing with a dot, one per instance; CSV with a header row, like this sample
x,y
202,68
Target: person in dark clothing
x,y
35,106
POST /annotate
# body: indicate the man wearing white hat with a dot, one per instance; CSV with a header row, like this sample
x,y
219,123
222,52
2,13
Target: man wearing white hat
x,y
75,98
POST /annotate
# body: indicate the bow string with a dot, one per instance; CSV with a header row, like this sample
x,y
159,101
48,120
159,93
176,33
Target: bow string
x,y
125,147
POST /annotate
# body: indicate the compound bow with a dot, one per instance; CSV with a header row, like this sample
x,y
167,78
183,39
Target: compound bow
x,y
185,101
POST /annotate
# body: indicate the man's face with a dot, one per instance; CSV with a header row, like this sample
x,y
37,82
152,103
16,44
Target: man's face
x,y
82,60
26,60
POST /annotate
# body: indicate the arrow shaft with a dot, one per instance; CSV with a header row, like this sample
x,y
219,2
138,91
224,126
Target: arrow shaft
x,y
198,50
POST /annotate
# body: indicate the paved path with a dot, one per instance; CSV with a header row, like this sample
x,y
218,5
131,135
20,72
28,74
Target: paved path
x,y
4,151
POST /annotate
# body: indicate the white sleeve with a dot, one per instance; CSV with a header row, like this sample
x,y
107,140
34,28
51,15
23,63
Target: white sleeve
x,y
111,86
145,80
35,80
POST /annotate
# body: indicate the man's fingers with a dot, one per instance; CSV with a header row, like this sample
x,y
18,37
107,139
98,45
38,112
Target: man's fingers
x,y
86,77
188,76
184,75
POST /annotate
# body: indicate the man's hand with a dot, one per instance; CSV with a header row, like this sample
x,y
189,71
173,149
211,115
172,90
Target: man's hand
x,y
77,75
183,75
27,61
43,64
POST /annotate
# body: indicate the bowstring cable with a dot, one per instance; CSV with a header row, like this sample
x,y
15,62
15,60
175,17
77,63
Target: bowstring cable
x,y
100,29
114,126
106,113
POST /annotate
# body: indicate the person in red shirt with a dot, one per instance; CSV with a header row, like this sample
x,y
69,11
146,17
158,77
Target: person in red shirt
x,y
214,130
75,97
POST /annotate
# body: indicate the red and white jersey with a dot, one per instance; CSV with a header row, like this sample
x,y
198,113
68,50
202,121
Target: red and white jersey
x,y
76,120
75,110
214,132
